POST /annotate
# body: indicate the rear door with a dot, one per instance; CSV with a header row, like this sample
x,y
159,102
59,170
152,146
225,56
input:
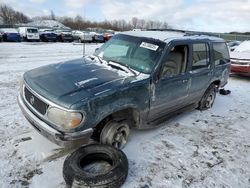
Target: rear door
x,y
201,70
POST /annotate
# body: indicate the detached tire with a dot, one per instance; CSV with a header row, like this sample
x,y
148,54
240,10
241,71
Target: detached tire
x,y
95,166
208,98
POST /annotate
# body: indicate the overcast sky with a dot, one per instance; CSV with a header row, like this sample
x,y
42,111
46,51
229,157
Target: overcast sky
x,y
203,15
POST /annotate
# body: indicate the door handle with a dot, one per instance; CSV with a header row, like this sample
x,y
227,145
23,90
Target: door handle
x,y
184,81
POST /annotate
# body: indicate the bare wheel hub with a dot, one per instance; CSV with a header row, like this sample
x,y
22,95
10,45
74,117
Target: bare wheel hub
x,y
210,100
115,134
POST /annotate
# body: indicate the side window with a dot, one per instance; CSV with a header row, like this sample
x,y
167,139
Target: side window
x,y
221,54
200,56
176,61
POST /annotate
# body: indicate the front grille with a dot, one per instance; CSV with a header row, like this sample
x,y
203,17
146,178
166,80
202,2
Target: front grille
x,y
35,102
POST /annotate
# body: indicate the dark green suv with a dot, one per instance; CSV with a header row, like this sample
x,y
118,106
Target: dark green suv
x,y
135,80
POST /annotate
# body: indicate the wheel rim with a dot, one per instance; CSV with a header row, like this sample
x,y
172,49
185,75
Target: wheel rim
x,y
210,100
115,134
120,137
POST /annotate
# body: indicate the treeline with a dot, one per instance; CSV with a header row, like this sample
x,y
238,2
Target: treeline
x,y
11,17
119,25
239,33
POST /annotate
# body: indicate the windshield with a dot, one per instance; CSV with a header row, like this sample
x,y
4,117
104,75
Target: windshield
x,y
32,30
140,54
243,47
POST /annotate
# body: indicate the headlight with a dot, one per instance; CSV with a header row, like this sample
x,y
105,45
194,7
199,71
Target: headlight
x,y
65,119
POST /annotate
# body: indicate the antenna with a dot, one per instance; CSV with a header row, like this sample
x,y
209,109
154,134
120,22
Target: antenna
x,y
84,47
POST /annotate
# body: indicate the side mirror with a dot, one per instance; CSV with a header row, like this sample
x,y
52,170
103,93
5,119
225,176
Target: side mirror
x,y
96,49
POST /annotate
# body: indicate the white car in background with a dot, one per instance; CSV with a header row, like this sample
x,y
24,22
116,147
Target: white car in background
x,y
82,36
29,33
240,59
233,44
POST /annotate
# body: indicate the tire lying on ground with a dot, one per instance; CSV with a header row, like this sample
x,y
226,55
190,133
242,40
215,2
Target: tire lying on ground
x,y
224,92
95,165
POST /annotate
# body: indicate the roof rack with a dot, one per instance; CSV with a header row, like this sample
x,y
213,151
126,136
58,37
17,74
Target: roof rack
x,y
187,33
177,30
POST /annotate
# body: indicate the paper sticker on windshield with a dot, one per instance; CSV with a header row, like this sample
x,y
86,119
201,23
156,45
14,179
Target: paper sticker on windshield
x,y
149,46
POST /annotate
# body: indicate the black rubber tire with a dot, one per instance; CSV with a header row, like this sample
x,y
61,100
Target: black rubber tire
x,y
225,92
212,89
75,176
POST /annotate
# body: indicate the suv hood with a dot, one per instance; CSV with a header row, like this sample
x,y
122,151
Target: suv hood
x,y
69,82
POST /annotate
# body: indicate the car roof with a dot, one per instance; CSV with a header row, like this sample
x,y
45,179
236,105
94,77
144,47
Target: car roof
x,y
10,30
168,36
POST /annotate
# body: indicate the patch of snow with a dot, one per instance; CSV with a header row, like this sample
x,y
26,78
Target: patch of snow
x,y
9,30
106,65
243,47
47,24
161,35
81,83
102,92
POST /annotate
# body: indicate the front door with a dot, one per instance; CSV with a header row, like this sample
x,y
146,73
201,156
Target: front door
x,y
171,90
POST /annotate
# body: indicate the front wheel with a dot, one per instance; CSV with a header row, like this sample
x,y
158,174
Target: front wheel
x,y
208,98
115,134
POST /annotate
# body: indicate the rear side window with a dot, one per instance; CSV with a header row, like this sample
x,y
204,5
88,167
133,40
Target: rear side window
x,y
221,54
200,56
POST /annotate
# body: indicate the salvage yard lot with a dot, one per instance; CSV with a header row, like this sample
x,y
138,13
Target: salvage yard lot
x,y
194,149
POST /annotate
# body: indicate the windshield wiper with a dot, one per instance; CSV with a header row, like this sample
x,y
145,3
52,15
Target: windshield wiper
x,y
121,66
102,61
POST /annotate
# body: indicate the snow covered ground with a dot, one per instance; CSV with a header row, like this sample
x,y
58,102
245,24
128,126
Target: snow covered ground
x,y
195,149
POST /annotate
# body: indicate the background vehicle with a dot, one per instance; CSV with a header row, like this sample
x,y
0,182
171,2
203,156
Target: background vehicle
x,y
82,36
29,34
47,35
136,80
92,33
240,59
108,36
1,37
10,35
233,44
64,36
98,37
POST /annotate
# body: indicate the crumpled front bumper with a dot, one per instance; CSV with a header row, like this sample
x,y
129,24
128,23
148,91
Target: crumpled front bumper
x,y
55,136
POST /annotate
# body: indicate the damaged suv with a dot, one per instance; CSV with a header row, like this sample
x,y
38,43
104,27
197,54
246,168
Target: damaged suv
x,y
135,80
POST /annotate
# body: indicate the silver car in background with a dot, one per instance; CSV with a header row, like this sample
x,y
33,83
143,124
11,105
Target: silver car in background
x,y
82,36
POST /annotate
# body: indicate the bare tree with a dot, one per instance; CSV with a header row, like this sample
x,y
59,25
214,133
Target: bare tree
x,y
52,15
7,14
11,17
134,22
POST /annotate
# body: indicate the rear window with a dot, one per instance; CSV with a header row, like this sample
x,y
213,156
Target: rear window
x,y
221,54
